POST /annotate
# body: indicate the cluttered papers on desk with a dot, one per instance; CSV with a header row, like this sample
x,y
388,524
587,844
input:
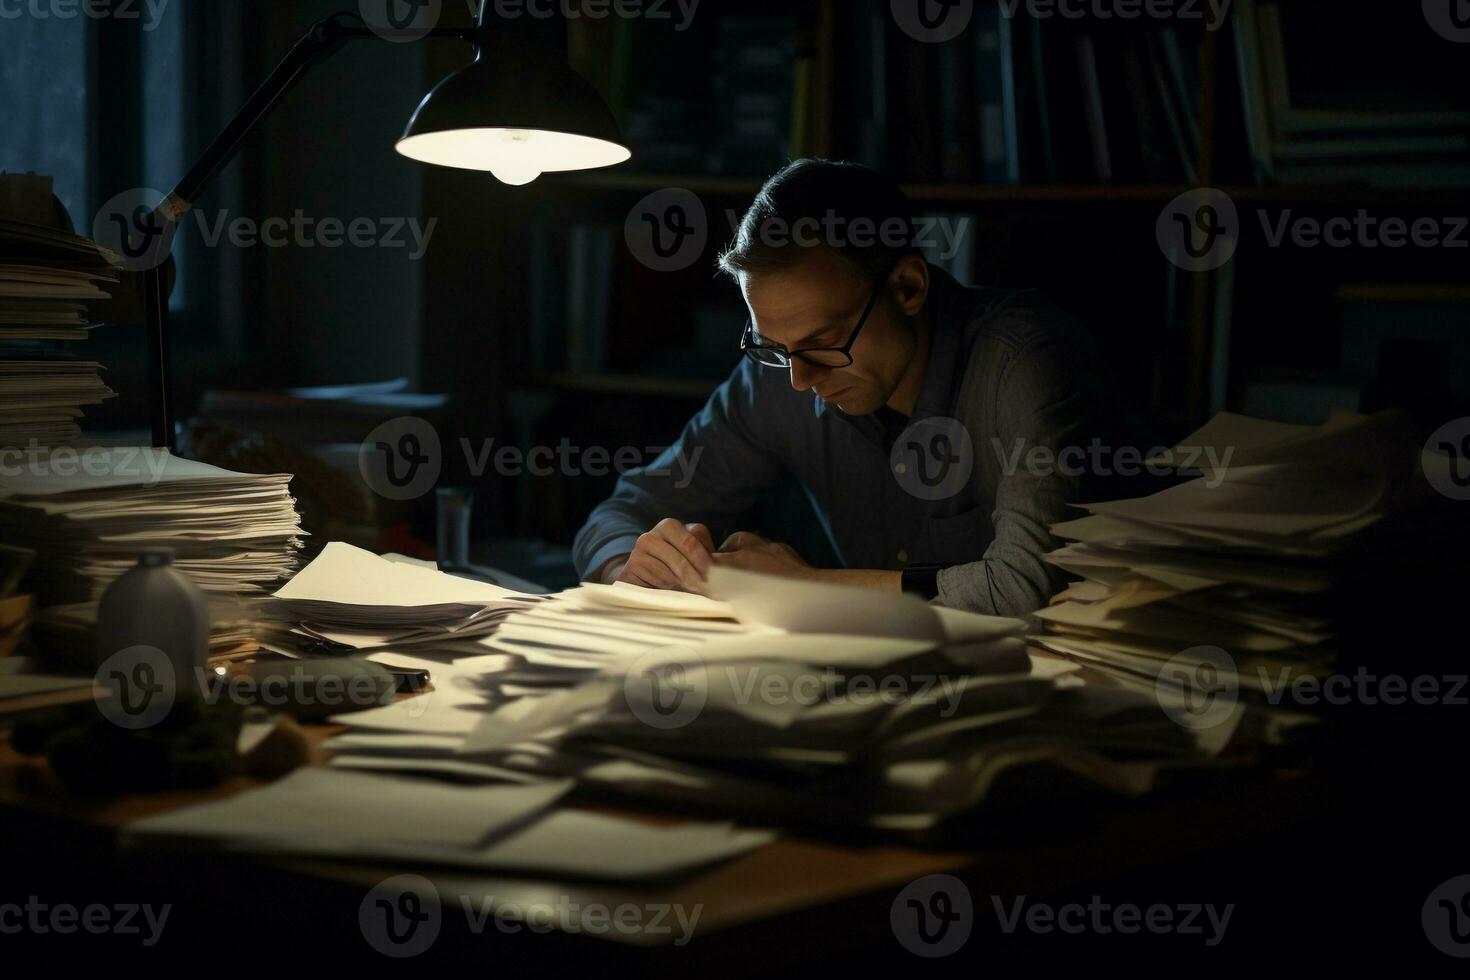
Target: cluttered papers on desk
x,y
1230,575
893,699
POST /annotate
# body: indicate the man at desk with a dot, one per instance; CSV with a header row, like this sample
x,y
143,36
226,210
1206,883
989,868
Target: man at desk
x,y
903,403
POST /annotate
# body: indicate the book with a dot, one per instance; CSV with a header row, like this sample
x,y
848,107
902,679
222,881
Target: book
x,y
996,87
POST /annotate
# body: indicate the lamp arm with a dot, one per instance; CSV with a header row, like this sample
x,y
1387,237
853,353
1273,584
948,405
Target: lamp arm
x,y
320,40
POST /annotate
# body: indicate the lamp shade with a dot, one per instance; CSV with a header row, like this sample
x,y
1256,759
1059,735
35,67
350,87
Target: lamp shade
x,y
518,111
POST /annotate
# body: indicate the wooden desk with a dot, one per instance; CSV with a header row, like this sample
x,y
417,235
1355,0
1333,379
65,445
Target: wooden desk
x,y
794,901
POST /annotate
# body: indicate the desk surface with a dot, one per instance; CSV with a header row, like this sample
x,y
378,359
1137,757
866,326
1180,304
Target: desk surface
x,y
814,886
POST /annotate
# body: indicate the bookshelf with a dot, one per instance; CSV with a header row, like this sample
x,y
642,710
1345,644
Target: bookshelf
x,y
1044,213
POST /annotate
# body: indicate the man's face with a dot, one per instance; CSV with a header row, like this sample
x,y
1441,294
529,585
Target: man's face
x,y
817,302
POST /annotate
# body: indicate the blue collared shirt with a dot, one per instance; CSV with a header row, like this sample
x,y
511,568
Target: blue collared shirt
x,y
972,481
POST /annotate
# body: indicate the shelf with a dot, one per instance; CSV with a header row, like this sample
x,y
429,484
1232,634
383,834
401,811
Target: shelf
x,y
1002,194
625,384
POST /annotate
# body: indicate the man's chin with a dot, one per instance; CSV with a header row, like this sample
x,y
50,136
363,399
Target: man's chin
x,y
856,403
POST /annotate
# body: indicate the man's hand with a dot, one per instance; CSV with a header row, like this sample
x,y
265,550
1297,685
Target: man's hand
x,y
672,556
753,553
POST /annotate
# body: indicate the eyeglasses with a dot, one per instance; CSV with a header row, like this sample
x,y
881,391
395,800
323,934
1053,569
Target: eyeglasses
x,y
774,355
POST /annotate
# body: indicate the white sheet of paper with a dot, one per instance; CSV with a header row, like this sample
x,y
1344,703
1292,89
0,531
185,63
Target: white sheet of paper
x,y
590,845
819,607
622,595
322,808
349,575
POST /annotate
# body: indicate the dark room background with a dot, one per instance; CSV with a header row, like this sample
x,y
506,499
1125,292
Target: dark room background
x,y
1051,146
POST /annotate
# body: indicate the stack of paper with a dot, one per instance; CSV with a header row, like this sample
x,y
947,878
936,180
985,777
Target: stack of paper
x,y
788,699
68,632
819,703
348,599
41,399
88,514
1240,559
47,279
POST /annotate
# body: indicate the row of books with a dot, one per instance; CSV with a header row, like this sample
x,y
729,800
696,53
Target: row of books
x,y
712,96
1015,99
1008,99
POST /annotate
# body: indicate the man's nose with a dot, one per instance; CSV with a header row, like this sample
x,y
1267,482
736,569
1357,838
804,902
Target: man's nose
x,y
804,375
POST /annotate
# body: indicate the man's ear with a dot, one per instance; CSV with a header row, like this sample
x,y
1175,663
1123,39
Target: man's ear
x,y
910,281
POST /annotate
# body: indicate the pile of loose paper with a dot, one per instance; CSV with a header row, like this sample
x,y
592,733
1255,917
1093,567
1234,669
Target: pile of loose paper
x,y
87,514
1228,575
781,701
348,599
47,279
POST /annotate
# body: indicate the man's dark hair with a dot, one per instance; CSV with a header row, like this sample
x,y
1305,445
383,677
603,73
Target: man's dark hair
x,y
858,213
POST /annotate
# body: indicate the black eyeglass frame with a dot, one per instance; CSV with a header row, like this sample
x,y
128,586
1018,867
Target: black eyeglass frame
x,y
751,349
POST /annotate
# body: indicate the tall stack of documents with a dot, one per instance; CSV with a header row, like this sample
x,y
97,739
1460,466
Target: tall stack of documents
x,y
48,278
87,514
1240,561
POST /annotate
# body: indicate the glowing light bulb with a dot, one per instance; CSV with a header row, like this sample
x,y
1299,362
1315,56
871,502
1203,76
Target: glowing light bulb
x,y
518,164
515,172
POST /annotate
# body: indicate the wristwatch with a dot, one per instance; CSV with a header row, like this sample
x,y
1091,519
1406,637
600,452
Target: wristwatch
x,y
922,580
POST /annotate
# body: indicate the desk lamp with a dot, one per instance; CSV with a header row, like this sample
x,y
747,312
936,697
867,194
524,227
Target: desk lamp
x,y
517,111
